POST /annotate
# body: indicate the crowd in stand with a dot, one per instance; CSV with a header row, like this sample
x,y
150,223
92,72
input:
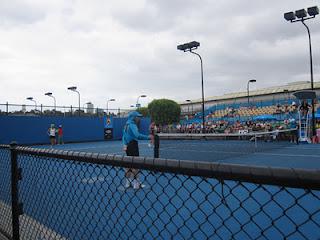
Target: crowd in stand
x,y
234,127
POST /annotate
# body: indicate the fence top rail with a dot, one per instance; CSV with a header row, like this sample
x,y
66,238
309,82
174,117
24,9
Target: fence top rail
x,y
286,177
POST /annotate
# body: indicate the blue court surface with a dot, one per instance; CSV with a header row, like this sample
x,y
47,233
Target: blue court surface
x,y
273,154
87,201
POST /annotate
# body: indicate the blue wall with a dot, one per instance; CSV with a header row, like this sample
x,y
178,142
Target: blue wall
x,y
33,129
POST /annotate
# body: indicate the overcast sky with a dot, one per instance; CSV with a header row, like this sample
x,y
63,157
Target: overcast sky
x,y
124,48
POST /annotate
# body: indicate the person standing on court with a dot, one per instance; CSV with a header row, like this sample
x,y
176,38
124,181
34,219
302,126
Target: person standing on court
x,y
52,134
130,138
60,135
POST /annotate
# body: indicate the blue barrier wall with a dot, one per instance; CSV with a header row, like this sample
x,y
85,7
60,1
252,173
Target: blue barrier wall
x,y
33,129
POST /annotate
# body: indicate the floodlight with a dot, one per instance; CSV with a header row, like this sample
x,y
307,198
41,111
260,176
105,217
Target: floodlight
x,y
73,88
289,16
180,47
312,11
302,13
188,46
194,44
48,94
30,98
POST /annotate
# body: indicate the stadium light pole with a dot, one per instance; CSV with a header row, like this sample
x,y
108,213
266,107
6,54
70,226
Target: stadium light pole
x,y
301,16
35,103
141,96
74,89
248,89
189,47
110,100
49,94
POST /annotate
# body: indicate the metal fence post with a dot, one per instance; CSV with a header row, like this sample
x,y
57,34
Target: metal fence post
x,y
7,108
16,208
156,146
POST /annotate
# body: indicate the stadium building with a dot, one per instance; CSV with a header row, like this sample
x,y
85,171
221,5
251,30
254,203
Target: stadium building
x,y
261,101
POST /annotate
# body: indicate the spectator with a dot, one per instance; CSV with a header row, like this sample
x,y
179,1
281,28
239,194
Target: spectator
x,y
304,108
60,135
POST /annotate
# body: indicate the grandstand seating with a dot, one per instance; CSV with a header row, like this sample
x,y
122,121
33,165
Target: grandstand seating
x,y
282,109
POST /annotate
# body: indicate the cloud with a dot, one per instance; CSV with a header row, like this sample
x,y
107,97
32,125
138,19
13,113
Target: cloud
x,y
120,49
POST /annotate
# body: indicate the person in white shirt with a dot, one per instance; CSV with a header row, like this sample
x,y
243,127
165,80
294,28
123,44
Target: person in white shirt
x,y
52,134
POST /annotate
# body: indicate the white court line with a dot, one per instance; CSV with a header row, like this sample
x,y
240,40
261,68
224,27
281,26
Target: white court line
x,y
203,151
259,153
306,148
288,155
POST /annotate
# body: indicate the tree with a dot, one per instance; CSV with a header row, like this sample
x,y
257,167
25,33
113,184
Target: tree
x,y
164,111
144,111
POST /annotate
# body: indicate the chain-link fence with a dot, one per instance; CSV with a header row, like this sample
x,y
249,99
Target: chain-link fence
x,y
61,111
72,195
5,191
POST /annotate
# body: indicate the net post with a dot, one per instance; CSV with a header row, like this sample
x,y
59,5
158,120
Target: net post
x,y
156,146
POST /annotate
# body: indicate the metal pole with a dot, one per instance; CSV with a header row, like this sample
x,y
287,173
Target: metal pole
x,y
107,107
55,105
7,108
156,146
202,90
79,101
311,73
16,206
248,92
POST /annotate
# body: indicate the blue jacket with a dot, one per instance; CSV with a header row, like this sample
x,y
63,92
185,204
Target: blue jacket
x,y
130,131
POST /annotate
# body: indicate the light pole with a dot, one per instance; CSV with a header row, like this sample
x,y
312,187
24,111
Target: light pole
x,y
141,96
49,94
35,103
74,89
110,100
302,16
248,92
189,47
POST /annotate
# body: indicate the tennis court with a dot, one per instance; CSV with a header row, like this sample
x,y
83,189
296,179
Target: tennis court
x,y
272,154
72,195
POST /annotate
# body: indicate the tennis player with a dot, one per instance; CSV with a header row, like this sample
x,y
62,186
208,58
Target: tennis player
x,y
130,139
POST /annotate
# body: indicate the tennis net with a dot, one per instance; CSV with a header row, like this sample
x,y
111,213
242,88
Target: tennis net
x,y
215,147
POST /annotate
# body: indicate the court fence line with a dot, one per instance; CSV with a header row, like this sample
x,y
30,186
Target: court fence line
x,y
58,194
